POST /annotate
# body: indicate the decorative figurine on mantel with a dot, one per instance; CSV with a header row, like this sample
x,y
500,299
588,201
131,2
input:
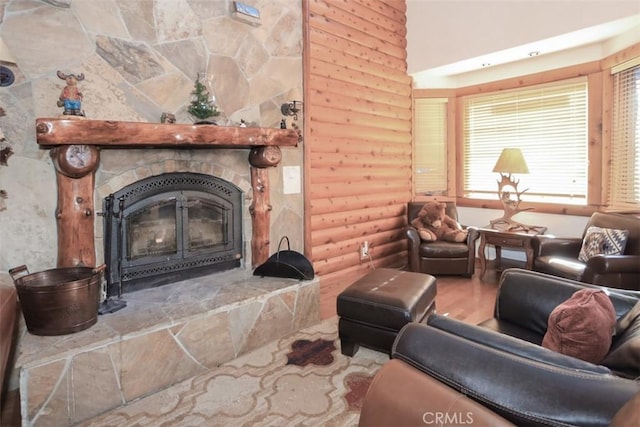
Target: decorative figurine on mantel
x,y
167,118
71,97
202,106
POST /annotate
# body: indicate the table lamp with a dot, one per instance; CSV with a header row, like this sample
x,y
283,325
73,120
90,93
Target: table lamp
x,y
510,161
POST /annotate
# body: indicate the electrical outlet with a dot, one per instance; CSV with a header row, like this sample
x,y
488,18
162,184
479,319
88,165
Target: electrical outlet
x,y
364,250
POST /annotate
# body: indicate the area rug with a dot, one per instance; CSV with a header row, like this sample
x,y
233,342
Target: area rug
x,y
302,380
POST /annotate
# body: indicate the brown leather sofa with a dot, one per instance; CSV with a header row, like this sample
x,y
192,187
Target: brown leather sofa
x,y
8,324
435,258
500,366
403,396
559,255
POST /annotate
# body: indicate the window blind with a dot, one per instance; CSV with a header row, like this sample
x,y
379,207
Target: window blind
x,y
430,146
547,122
624,176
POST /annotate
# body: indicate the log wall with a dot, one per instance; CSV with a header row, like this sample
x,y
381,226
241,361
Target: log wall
x,y
357,143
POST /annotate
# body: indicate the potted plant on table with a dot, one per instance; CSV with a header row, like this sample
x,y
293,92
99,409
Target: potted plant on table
x,y
202,106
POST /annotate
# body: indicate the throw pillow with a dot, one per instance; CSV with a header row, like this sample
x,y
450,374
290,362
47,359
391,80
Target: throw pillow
x,y
606,241
582,326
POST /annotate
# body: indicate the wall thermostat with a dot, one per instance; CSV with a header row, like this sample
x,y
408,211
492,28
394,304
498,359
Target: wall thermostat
x,y
245,13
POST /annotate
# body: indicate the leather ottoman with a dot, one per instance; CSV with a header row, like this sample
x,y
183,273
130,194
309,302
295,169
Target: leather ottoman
x,y
374,308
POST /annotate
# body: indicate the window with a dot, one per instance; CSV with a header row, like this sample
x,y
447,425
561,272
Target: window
x,y
430,150
624,176
547,122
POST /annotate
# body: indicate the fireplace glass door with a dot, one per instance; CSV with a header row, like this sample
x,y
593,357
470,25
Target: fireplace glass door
x,y
171,227
179,225
152,231
207,224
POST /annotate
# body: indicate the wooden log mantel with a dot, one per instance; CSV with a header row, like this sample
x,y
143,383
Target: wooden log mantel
x,y
108,133
75,189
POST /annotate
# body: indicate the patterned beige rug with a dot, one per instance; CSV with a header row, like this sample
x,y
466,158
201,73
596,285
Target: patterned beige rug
x,y
302,380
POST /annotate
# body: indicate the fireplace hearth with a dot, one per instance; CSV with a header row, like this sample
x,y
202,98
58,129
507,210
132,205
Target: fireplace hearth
x,y
171,227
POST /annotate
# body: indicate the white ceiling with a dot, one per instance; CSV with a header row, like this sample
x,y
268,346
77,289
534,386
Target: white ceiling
x,y
456,43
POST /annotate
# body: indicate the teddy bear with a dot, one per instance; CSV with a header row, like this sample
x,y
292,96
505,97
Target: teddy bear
x,y
433,223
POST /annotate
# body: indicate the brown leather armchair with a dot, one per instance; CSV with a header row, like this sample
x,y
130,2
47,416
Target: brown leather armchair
x,y
447,369
559,255
445,258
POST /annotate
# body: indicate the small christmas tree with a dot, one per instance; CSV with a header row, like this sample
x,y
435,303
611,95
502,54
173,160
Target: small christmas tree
x,y
201,106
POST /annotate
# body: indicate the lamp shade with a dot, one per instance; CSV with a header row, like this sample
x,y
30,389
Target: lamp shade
x,y
511,160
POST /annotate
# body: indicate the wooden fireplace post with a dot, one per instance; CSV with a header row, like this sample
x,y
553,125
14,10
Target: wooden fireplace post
x,y
260,159
75,174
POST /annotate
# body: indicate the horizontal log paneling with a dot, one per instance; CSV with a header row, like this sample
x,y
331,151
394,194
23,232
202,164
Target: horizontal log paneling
x,y
384,41
395,23
358,175
320,39
357,104
336,219
342,59
364,201
359,37
388,251
377,243
340,236
362,19
325,86
350,189
396,9
323,114
357,136
359,77
350,146
327,130
333,161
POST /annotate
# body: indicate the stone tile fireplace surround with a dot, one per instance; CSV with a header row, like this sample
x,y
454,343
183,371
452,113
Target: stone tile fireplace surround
x,y
165,334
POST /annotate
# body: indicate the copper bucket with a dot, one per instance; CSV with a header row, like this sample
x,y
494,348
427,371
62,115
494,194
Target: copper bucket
x,y
59,301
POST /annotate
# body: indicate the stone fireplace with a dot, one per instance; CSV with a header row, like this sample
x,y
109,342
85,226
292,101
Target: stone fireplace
x,y
68,139
166,334
171,227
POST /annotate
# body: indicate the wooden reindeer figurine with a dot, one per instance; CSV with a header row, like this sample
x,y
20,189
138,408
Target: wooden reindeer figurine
x,y
507,186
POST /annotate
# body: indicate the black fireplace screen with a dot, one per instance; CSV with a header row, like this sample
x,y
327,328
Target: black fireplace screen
x,y
171,227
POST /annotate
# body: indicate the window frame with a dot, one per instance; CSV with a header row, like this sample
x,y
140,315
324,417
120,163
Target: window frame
x,y
611,64
450,95
593,72
600,93
497,131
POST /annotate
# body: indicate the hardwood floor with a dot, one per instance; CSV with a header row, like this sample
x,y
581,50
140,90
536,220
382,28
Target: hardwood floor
x,y
470,300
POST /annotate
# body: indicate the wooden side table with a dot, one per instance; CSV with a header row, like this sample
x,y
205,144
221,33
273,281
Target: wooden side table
x,y
506,239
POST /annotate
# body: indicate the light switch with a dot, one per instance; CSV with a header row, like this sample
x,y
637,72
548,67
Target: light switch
x,y
291,179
